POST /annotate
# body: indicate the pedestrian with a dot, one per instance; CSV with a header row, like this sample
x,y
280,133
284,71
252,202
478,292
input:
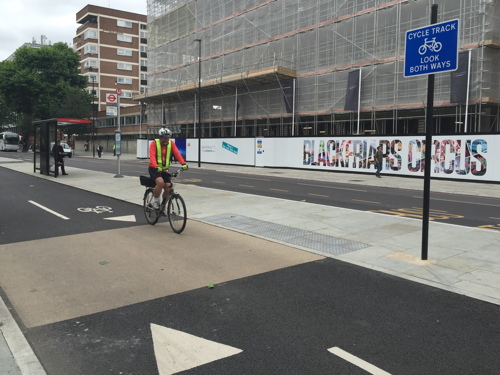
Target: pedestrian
x,y
114,149
58,153
99,150
379,158
86,146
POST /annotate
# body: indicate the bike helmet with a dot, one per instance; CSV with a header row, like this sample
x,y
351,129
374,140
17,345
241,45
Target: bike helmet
x,y
165,133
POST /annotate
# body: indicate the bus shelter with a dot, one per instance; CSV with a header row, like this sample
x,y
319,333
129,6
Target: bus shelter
x,y
46,136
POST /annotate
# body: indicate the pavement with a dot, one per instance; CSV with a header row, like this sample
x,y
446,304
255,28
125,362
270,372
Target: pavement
x,y
461,259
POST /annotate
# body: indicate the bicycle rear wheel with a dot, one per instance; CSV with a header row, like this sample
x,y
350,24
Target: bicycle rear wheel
x,y
177,215
150,213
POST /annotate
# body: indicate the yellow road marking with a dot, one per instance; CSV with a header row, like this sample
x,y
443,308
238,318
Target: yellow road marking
x,y
188,180
319,195
491,227
250,186
285,191
358,200
416,212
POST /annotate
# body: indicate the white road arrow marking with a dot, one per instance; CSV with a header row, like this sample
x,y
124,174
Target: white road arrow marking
x,y
178,351
130,218
357,361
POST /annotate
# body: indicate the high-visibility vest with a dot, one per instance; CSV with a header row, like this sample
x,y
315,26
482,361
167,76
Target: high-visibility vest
x,y
167,156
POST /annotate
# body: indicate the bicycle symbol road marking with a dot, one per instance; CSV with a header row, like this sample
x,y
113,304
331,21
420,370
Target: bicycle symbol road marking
x,y
97,209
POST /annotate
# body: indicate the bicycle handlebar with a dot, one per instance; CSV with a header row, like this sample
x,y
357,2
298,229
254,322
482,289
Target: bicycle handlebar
x,y
176,173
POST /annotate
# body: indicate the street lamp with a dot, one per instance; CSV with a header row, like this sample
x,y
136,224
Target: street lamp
x,y
93,111
199,101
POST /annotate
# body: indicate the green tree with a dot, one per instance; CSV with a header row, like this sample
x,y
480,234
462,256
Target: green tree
x,y
44,83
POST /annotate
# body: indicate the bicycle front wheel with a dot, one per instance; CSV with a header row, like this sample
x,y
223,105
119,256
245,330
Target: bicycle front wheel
x,y
177,215
150,213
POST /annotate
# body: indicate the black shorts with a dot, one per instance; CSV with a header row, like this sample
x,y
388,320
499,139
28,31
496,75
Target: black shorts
x,y
154,173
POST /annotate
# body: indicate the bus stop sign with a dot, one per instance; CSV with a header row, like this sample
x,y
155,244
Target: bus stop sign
x,y
432,49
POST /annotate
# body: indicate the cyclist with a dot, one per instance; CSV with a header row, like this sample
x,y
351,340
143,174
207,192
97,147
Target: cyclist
x,y
160,151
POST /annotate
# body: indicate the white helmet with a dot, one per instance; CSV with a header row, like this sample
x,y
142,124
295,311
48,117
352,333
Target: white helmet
x,y
164,132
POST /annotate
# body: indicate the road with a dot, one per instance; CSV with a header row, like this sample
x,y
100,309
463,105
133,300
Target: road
x,y
98,296
472,211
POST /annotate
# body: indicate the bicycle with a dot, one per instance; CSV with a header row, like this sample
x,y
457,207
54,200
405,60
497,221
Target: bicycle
x,y
176,208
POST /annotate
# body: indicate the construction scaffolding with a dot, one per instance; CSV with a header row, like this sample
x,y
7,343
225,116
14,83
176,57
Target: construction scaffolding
x,y
253,50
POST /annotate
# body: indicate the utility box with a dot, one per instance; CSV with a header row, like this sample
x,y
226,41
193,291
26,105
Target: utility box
x,y
142,148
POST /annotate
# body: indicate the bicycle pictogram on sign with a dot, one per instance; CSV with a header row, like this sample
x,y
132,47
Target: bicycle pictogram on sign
x,y
432,45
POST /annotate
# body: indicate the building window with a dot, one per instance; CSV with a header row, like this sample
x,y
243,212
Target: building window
x,y
124,38
90,64
123,23
93,78
124,80
143,35
90,34
124,52
126,95
90,49
123,66
144,26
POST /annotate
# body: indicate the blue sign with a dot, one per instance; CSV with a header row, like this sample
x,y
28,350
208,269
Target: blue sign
x,y
229,147
432,49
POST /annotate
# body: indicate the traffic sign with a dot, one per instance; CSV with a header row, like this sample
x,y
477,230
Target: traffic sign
x,y
118,91
111,99
432,49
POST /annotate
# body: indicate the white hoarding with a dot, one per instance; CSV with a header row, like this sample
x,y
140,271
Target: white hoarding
x,y
467,157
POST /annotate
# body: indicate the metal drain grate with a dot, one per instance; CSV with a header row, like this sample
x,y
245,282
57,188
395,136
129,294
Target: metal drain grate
x,y
293,236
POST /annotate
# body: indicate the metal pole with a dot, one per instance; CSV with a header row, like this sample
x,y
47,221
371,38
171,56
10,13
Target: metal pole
x,y
467,96
140,122
359,101
235,110
293,108
93,113
429,123
199,101
118,175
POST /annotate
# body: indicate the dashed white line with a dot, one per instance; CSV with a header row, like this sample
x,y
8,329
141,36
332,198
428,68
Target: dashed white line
x,y
332,187
49,210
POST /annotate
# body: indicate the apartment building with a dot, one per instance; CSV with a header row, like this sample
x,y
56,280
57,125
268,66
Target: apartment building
x,y
113,48
281,68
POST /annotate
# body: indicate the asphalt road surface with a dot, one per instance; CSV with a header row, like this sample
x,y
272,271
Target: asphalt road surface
x,y
97,296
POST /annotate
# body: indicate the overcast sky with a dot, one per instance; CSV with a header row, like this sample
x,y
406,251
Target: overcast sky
x,y
23,20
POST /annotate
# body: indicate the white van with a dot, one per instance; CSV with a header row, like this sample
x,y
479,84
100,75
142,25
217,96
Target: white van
x,y
68,151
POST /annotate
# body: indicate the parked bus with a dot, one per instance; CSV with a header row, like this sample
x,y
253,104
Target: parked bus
x,y
9,141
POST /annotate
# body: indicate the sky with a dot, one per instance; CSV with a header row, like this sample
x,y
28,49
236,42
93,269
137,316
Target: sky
x,y
23,20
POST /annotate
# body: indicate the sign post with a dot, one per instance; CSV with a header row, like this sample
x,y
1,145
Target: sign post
x,y
118,134
429,50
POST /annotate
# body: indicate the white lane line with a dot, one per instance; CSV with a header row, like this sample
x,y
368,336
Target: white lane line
x,y
357,361
332,187
49,210
249,178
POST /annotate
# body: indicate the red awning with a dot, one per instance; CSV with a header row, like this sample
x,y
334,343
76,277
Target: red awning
x,y
62,121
